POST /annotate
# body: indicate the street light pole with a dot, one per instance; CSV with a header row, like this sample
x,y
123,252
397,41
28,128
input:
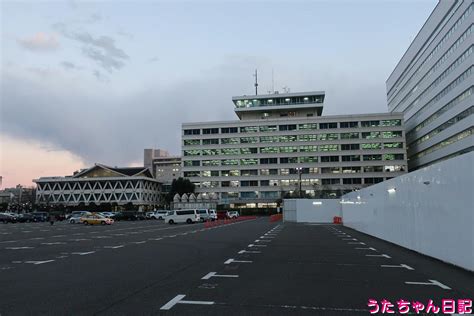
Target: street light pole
x,y
300,171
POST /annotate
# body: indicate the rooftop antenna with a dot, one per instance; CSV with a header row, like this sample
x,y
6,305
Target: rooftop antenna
x,y
256,82
273,83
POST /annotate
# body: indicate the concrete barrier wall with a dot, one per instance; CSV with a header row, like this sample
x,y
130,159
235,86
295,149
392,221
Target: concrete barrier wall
x,y
429,211
311,211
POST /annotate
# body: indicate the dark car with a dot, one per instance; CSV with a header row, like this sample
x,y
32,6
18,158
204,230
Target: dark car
x,y
7,218
40,216
126,216
25,218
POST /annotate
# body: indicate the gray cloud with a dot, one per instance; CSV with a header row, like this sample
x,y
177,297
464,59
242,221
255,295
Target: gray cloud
x,y
67,65
114,130
40,42
101,77
100,49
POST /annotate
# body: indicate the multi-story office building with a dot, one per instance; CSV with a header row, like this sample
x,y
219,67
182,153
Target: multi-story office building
x,y
282,142
165,168
433,86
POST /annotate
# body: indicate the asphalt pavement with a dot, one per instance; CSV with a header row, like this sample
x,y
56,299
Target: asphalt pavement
x,y
252,267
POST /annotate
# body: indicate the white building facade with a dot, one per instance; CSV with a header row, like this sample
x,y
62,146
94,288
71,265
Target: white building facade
x,y
433,86
98,185
282,145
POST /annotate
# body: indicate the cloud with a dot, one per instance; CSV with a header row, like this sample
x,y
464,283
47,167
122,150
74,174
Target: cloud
x,y
114,129
67,65
126,35
101,50
100,76
153,59
40,42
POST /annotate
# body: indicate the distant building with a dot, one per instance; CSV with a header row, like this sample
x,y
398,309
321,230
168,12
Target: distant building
x,y
100,184
283,143
165,168
433,86
18,197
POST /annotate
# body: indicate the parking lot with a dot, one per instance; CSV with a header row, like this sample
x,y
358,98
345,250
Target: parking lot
x,y
250,267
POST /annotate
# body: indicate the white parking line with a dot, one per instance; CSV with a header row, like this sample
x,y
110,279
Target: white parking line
x,y
229,261
432,282
397,266
83,253
39,262
247,251
53,243
18,248
356,243
369,248
178,300
139,242
349,239
155,238
114,247
252,245
262,240
384,255
214,274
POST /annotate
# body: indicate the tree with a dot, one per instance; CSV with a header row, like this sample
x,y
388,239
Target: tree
x,y
180,186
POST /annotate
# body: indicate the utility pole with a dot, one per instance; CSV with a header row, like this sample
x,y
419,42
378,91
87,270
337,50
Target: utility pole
x,y
300,171
256,82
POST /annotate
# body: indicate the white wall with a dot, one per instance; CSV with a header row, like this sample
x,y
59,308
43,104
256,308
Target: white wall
x,y
430,211
311,211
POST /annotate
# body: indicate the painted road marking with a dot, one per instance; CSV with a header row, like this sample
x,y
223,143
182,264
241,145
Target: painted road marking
x,y
139,242
214,274
246,251
58,236
370,248
179,300
432,282
356,243
18,248
39,262
114,247
262,240
229,261
101,237
155,238
83,253
26,231
395,266
384,255
79,239
269,237
252,245
37,238
349,239
53,243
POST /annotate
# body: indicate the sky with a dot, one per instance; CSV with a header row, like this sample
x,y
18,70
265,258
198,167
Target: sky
x,y
86,82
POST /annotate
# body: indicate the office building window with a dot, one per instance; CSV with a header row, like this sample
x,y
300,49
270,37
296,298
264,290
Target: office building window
x,y
330,181
308,126
229,130
191,142
210,141
349,124
393,145
290,127
230,151
268,128
249,161
351,158
308,159
211,163
194,152
289,160
192,132
210,131
211,152
329,158
249,129
250,172
373,169
266,150
372,157
248,151
352,181
230,141
350,147
393,157
249,140
332,136
331,170
371,146
328,148
267,161
307,138
353,135
372,180
370,123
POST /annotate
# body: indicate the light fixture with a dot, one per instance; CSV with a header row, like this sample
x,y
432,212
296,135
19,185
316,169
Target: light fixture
x,y
392,190
426,182
317,203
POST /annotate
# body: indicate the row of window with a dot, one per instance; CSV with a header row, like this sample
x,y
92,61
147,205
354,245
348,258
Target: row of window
x,y
293,138
445,143
445,125
289,149
464,76
310,159
285,183
292,127
438,64
275,101
290,171
443,110
440,78
435,50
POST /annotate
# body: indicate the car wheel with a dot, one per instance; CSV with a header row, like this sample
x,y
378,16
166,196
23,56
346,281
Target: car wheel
x,y
86,223
103,223
171,222
160,217
189,221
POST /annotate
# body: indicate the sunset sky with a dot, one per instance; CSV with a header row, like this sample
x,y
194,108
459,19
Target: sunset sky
x,y
85,82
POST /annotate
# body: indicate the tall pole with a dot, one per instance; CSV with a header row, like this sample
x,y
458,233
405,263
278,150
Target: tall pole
x,y
300,171
256,82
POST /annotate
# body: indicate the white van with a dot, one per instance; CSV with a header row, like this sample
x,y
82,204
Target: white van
x,y
207,215
182,216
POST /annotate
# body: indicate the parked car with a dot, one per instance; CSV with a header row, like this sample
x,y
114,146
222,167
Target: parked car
x,y
232,214
213,215
125,216
107,214
77,213
148,215
96,219
40,216
182,216
7,218
160,214
140,216
76,219
25,218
